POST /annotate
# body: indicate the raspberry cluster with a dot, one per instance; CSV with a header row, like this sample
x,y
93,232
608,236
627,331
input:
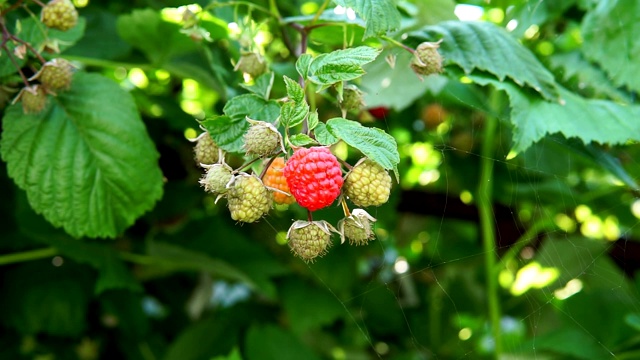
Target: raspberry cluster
x,y
312,177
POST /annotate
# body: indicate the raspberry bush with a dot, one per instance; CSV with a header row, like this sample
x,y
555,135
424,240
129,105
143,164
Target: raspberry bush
x,y
453,189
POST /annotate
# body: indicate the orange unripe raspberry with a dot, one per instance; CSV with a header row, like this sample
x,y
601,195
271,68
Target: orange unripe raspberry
x,y
274,178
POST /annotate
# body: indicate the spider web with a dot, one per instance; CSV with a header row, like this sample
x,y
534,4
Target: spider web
x,y
533,320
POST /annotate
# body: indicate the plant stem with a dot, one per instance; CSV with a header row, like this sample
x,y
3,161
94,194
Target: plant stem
x,y
319,12
487,226
398,43
524,240
28,255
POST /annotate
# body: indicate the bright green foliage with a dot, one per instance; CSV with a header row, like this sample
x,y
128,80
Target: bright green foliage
x,y
610,38
374,143
340,65
487,47
590,120
110,247
86,165
382,16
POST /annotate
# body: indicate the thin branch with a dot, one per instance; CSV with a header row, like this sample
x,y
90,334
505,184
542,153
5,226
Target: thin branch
x,y
320,11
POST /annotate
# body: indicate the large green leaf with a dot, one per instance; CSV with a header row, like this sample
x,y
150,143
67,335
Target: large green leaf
x,y
372,142
381,16
86,161
600,121
340,65
610,32
574,65
485,46
323,136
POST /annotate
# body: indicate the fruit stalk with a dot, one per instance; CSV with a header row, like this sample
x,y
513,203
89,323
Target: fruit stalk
x,y
487,226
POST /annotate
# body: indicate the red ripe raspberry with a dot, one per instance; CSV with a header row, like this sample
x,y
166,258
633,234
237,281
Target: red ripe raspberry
x,y
314,177
274,179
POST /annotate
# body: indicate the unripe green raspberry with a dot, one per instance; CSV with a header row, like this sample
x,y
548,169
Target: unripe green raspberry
x,y
357,227
33,99
59,14
206,151
367,184
55,74
249,199
262,139
251,63
427,60
352,98
310,239
216,178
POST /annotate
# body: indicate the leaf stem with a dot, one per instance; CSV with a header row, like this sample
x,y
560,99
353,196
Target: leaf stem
x,y
28,255
487,226
398,43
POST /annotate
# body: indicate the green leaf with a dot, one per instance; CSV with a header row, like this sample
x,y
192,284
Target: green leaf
x,y
396,87
292,114
302,65
340,65
610,38
381,16
485,46
100,39
228,131
301,140
87,165
294,90
39,298
234,355
573,65
267,343
253,106
372,142
313,120
262,86
127,308
112,272
308,307
33,32
175,258
323,136
578,117
633,320
157,38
